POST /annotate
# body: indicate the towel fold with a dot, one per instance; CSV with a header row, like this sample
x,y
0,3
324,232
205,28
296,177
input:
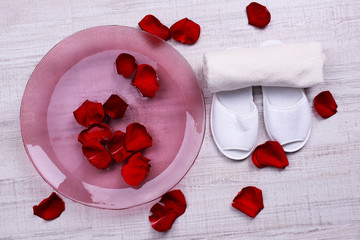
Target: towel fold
x,y
298,65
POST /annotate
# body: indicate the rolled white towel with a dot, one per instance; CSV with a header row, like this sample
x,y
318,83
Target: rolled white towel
x,y
298,65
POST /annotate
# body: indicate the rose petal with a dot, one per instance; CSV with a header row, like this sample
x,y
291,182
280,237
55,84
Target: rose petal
x,y
137,137
97,155
171,206
325,105
255,161
174,200
185,31
98,131
152,25
116,146
271,154
258,15
146,80
162,218
115,107
125,65
249,200
50,208
89,113
135,170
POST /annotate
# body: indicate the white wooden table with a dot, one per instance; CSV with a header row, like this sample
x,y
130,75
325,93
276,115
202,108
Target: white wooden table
x,y
316,197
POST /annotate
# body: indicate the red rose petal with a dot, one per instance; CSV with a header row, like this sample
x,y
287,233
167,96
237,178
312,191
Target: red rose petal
x,y
115,107
98,131
152,25
271,154
125,65
135,170
185,31
258,15
174,200
146,80
249,200
137,137
97,155
162,218
325,105
89,113
116,146
50,208
257,164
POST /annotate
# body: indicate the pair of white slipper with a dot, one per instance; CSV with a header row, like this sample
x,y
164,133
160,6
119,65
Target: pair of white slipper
x,y
234,119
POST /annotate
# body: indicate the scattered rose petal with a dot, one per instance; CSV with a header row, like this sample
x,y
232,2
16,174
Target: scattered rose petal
x,y
271,153
97,155
116,146
125,65
325,105
98,131
185,31
258,15
135,170
162,218
152,25
163,215
137,137
89,113
249,200
115,107
50,208
174,200
146,80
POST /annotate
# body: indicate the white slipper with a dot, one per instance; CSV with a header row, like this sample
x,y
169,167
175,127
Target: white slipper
x,y
234,122
287,114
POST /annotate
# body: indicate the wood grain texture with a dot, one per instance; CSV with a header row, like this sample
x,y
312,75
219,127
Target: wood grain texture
x,y
316,197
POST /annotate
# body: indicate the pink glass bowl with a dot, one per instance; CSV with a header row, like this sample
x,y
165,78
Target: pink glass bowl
x,y
82,67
